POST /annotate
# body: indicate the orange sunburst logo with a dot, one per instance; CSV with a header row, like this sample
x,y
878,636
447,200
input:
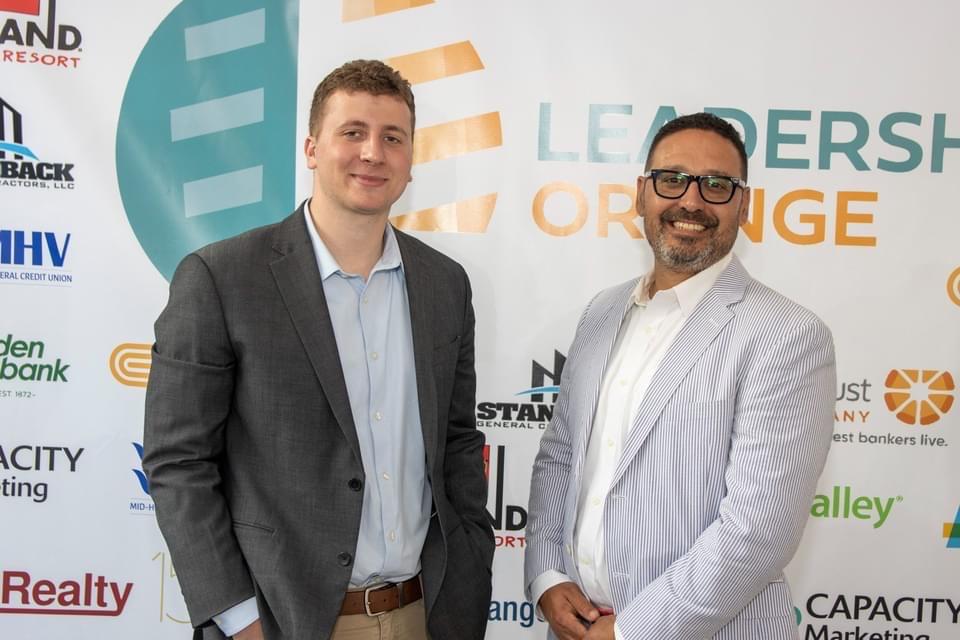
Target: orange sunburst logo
x,y
919,396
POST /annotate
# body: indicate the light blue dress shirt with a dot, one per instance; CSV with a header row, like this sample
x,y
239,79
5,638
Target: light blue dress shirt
x,y
371,322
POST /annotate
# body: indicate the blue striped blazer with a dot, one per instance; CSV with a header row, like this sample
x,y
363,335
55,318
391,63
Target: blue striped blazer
x,y
710,497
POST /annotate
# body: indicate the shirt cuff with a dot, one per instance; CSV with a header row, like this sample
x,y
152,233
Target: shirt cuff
x,y
616,632
543,582
238,617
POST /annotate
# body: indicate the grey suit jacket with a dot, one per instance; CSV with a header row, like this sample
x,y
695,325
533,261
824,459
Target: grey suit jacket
x,y
252,454
713,489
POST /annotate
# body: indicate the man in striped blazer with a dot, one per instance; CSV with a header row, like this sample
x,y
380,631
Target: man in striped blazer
x,y
694,418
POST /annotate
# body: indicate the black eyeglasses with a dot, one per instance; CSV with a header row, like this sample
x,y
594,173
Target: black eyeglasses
x,y
713,189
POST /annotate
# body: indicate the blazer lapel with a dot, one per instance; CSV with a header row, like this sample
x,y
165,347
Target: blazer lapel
x,y
297,276
417,276
700,329
602,335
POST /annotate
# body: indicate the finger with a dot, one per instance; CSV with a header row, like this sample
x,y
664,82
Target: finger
x,y
582,606
571,626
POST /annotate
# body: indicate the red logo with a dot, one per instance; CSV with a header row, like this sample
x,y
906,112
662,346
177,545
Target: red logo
x,y
89,596
31,7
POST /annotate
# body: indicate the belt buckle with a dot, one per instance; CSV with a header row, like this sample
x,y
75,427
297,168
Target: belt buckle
x,y
366,600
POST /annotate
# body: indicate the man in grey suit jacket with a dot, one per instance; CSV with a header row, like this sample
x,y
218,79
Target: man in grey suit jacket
x,y
310,439
694,418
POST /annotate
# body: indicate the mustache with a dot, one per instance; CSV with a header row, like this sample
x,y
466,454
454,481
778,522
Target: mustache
x,y
697,216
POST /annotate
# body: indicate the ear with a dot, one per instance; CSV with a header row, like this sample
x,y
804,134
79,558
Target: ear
x,y
640,182
309,151
743,212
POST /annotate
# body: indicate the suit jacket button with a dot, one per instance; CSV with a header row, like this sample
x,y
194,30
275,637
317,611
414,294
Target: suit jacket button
x,y
345,559
355,484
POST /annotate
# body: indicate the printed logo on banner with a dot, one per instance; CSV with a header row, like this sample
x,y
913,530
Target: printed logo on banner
x,y
953,287
535,414
27,361
842,503
36,37
915,401
130,364
33,461
86,595
213,98
507,519
169,590
800,216
34,258
841,616
951,532
512,611
19,165
919,396
142,504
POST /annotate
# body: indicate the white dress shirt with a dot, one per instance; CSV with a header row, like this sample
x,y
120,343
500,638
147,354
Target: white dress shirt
x,y
646,333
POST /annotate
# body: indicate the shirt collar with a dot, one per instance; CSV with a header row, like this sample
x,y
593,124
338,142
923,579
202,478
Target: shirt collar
x,y
689,292
389,259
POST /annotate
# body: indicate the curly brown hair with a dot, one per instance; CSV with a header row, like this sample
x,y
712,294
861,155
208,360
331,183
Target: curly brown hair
x,y
367,76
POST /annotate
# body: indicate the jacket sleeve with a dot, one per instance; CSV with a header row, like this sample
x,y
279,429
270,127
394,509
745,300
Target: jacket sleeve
x,y
463,461
780,437
188,400
550,480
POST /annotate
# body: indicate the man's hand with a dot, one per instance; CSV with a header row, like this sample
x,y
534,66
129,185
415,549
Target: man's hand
x,y
565,608
602,629
253,632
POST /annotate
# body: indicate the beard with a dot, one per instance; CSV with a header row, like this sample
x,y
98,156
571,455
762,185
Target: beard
x,y
689,255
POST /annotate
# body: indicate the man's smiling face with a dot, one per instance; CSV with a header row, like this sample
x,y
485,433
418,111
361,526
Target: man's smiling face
x,y
687,234
361,155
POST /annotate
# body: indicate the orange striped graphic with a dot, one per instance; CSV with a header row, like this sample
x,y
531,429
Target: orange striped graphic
x,y
465,216
130,364
362,9
457,137
435,64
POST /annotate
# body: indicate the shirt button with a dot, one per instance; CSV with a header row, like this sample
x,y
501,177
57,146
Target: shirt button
x,y
623,382
374,355
393,536
345,559
355,484
596,502
366,299
378,416
610,442
585,561
386,476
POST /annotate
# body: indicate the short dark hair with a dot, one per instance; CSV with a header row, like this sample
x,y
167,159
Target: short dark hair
x,y
366,76
706,122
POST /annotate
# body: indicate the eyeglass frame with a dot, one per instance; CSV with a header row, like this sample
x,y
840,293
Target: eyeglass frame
x,y
737,182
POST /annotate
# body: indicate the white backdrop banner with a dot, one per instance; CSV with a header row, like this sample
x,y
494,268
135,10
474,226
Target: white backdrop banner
x,y
134,132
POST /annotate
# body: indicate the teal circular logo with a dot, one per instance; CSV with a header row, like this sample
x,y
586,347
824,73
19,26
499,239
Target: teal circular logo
x,y
206,138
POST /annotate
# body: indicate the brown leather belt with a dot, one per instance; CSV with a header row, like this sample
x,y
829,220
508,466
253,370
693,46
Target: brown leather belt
x,y
379,599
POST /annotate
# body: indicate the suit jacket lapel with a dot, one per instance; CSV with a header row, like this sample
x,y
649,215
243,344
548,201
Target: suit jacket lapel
x,y
298,279
417,276
700,329
604,336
